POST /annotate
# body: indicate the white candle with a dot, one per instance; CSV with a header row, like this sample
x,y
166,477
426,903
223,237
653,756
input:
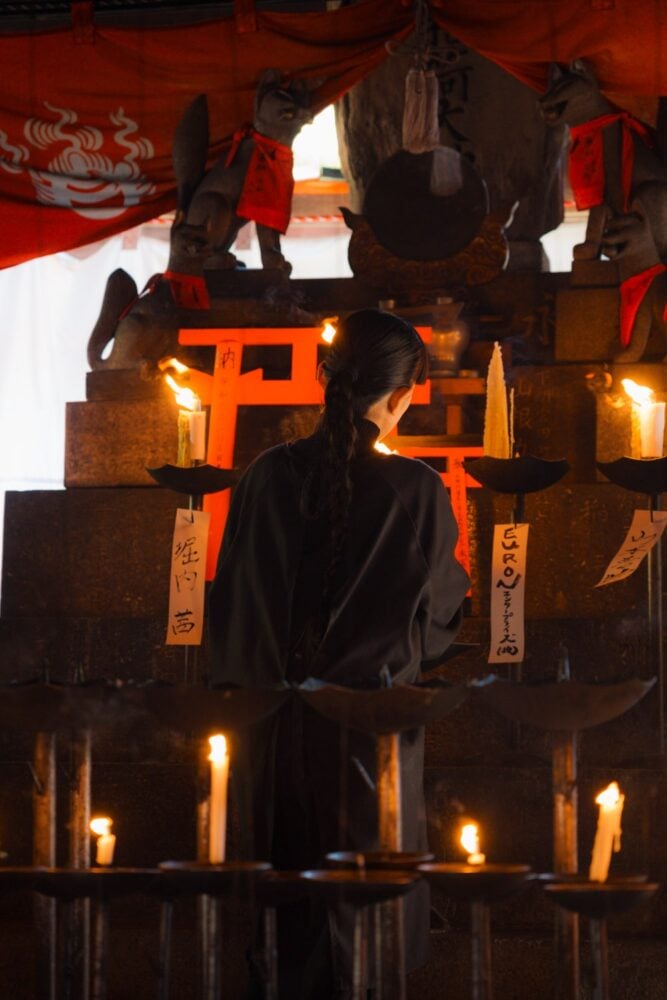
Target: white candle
x,y
197,421
217,829
608,833
470,843
106,841
651,429
496,423
651,417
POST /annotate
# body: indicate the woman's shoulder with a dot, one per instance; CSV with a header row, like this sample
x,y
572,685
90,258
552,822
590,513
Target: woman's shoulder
x,y
408,473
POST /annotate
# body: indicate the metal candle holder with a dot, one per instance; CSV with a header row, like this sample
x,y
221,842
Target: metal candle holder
x,y
361,889
519,476
386,712
275,889
597,901
649,476
70,887
79,710
564,707
480,886
213,882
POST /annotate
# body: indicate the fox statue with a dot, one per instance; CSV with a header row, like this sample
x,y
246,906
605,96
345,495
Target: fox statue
x,y
136,331
252,180
613,157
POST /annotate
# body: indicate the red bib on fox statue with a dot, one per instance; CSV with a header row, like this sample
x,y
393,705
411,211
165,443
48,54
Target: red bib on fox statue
x,y
587,162
268,187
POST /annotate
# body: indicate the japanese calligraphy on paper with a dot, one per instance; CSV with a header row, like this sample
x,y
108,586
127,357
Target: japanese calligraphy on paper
x,y
508,585
644,532
187,578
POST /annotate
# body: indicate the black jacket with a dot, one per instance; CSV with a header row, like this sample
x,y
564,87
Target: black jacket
x,y
305,787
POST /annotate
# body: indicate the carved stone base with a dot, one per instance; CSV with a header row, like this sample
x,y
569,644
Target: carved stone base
x,y
600,273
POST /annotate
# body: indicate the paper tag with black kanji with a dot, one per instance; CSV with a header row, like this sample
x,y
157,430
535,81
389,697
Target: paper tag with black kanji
x,y
187,578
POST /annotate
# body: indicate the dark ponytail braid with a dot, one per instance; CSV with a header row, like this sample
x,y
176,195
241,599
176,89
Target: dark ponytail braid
x,y
373,353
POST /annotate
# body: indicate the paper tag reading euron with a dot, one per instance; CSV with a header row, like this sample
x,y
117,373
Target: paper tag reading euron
x,y
644,532
186,586
508,587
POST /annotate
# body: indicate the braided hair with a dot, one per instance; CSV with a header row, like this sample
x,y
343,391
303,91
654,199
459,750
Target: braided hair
x,y
373,353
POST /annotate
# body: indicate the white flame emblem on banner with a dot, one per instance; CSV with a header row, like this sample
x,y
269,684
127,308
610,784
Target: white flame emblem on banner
x,y
79,176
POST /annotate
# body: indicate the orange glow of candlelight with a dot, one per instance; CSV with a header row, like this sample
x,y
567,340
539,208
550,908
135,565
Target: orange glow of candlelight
x,y
106,841
639,394
329,330
383,449
101,826
218,745
470,842
609,796
186,398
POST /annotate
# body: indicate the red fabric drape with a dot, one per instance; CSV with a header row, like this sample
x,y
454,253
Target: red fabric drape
x,y
86,128
632,292
623,40
87,116
587,177
269,184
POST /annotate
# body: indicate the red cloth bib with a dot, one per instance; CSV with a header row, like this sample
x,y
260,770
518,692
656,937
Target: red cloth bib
x,y
587,160
188,290
633,291
267,190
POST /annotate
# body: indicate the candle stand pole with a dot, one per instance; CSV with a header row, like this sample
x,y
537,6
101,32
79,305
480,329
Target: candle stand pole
x,y
389,936
44,855
164,958
203,902
655,619
565,820
480,929
101,950
600,955
77,933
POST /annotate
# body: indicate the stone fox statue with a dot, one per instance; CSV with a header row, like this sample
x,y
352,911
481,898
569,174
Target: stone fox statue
x,y
613,159
143,329
252,179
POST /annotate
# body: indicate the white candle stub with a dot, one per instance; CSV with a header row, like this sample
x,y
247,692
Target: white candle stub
x,y
106,841
191,422
470,843
608,833
217,829
651,417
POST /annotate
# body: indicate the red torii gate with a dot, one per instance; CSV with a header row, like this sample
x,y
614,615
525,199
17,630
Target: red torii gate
x,y
227,389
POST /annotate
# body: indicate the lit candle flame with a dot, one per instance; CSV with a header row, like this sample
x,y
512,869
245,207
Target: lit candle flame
x,y
186,398
470,843
640,394
609,797
101,825
174,363
218,745
328,331
383,449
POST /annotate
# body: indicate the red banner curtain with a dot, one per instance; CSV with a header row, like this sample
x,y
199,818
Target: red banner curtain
x,y
87,117
623,40
87,114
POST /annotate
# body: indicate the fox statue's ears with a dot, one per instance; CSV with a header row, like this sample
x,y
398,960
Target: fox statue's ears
x,y
581,68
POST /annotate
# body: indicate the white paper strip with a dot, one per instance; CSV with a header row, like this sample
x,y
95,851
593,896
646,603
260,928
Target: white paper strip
x,y
508,586
640,539
187,579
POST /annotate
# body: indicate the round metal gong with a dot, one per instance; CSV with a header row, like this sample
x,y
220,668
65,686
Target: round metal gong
x,y
426,206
